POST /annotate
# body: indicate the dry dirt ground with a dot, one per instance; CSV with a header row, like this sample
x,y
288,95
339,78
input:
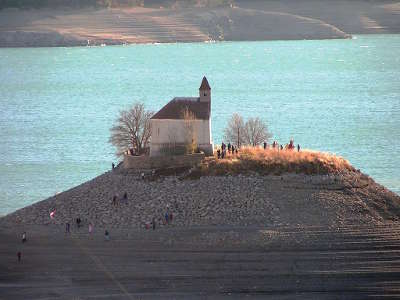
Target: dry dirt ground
x,y
224,262
232,237
249,20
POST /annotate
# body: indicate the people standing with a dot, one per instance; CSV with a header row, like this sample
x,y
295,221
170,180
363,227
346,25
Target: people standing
x,y
166,217
67,229
223,150
298,147
291,145
78,222
90,228
154,223
265,145
106,235
24,237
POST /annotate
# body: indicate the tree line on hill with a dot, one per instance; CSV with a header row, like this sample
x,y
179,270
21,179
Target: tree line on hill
x,y
26,4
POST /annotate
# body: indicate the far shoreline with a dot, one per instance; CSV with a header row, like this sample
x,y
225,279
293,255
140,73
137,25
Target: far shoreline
x,y
247,21
183,42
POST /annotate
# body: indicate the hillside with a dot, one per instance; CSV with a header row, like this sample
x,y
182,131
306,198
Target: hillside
x,y
248,189
257,224
246,21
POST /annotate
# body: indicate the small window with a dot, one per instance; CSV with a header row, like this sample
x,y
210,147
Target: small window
x,y
158,131
205,94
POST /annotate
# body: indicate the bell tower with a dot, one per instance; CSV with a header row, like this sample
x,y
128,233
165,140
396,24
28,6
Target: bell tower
x,y
205,91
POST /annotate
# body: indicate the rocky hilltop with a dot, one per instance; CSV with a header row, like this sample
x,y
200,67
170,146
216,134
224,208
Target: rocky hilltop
x,y
337,199
304,225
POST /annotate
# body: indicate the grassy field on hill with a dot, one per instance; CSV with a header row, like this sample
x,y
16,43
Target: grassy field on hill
x,y
273,161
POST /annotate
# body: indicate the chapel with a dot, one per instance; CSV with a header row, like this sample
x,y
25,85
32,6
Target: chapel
x,y
169,126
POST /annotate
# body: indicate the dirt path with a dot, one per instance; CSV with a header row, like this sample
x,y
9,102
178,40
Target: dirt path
x,y
202,263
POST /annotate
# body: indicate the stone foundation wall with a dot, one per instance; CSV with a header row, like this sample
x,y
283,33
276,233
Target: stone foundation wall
x,y
159,162
208,149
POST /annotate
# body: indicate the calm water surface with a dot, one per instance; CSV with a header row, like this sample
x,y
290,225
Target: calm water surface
x,y
57,104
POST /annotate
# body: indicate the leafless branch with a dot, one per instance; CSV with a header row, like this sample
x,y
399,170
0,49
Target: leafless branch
x,y
190,134
132,130
253,132
256,132
234,131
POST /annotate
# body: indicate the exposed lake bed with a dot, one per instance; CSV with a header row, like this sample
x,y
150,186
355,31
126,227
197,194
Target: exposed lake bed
x,y
309,236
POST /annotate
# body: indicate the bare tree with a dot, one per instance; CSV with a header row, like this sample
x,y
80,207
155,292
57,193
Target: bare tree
x,y
234,132
256,132
190,134
131,129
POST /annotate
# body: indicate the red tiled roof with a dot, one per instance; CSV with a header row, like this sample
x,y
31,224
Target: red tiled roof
x,y
173,110
204,84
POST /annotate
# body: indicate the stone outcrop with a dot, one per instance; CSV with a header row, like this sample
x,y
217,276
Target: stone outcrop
x,y
157,162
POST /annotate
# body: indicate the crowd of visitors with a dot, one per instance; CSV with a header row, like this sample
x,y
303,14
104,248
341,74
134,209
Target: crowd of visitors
x,y
231,149
226,149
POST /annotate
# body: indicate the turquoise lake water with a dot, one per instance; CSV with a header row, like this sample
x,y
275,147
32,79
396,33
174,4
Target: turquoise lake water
x,y
57,104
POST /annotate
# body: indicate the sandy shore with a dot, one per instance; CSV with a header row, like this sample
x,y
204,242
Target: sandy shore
x,y
249,20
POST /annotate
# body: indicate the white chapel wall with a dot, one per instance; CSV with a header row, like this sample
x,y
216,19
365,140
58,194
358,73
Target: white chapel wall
x,y
173,131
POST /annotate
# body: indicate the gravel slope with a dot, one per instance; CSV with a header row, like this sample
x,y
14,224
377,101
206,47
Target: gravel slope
x,y
291,199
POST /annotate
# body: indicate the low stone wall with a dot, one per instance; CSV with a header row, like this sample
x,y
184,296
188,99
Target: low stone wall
x,y
158,162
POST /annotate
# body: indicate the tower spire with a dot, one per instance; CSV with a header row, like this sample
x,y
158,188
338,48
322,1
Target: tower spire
x,y
204,84
205,91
